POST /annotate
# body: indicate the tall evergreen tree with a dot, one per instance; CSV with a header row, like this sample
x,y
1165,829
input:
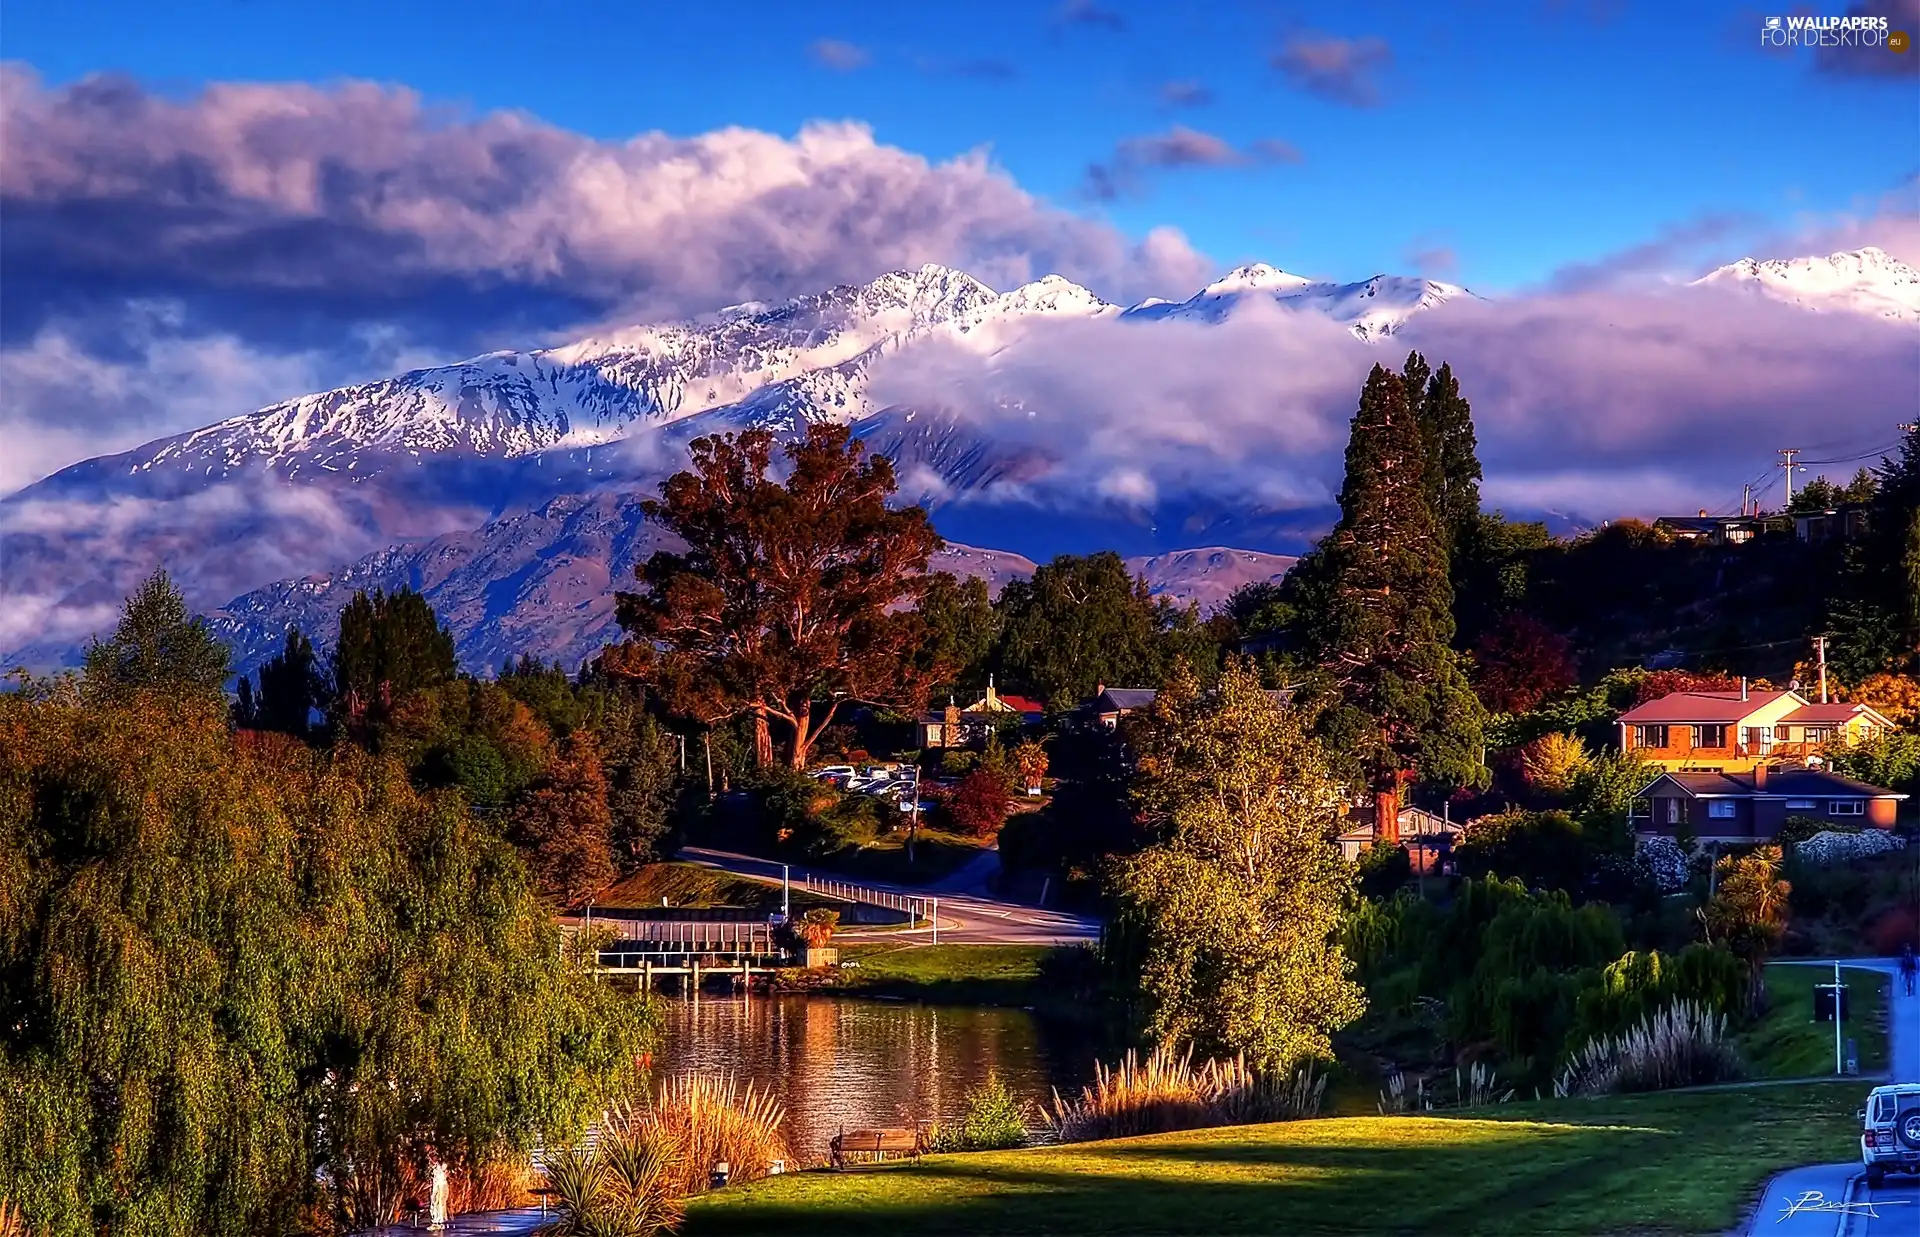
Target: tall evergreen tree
x,y
1393,692
291,688
1453,461
158,647
1876,615
391,645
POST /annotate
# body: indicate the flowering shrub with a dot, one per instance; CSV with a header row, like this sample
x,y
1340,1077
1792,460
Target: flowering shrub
x,y
1665,863
1826,849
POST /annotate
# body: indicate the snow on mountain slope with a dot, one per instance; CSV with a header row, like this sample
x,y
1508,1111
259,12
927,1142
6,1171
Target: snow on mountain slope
x,y
1209,576
1372,309
1866,281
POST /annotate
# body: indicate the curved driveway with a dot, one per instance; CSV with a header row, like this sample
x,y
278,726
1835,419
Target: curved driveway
x,y
1833,1200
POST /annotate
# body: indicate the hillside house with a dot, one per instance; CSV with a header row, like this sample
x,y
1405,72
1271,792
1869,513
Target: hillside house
x,y
1713,529
1845,522
1750,807
1733,731
1110,704
955,726
1429,839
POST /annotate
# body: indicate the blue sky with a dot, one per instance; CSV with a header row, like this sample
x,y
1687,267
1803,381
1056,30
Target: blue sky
x,y
1502,141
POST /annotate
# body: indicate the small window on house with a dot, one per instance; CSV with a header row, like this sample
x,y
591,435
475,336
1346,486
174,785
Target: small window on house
x,y
1781,734
1722,809
1640,809
1712,736
1801,805
1819,734
1649,736
1673,811
1846,807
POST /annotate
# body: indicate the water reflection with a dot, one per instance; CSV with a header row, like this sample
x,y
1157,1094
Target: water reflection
x,y
841,1063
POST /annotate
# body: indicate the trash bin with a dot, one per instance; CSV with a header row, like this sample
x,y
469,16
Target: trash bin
x,y
1853,1057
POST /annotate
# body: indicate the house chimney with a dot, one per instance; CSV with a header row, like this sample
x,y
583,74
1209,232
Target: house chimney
x,y
1743,687
1760,777
993,698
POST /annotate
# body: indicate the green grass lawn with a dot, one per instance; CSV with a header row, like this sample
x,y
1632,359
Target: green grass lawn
x,y
935,853
1681,1163
692,886
944,974
1788,1043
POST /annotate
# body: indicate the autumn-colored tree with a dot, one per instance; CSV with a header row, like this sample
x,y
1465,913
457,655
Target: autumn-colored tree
x,y
1895,697
564,826
1658,683
1030,760
1520,662
978,805
1748,912
1554,762
791,598
1394,699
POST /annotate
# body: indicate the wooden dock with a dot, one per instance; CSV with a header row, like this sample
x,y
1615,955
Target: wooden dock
x,y
692,949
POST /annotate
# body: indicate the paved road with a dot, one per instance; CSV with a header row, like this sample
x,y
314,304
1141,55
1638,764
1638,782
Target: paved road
x,y
1833,1200
966,918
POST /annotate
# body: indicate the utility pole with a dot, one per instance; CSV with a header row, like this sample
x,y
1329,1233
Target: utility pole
x,y
1791,467
708,738
1746,499
1820,649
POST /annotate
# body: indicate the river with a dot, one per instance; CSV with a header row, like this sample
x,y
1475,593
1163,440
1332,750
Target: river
x,y
842,1063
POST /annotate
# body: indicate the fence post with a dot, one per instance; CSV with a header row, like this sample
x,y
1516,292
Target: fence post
x,y
933,922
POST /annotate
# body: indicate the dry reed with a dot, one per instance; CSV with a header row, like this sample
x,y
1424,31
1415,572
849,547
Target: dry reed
x,y
1166,1092
1681,1045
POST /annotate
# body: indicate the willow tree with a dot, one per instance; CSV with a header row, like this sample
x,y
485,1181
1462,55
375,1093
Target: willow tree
x,y
791,599
232,968
1238,906
1393,692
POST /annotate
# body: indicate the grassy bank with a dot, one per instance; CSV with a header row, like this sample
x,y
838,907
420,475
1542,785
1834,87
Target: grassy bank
x,y
1683,1163
689,886
935,854
943,974
1788,1043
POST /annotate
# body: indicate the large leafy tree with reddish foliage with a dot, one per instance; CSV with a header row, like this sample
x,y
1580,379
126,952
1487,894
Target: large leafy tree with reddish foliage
x,y
1519,662
791,598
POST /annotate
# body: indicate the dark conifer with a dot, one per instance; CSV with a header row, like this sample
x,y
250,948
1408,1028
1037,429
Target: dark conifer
x,y
1394,694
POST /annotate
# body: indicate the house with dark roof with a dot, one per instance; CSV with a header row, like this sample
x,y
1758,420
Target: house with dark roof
x,y
1845,522
1110,704
955,726
1734,731
1751,807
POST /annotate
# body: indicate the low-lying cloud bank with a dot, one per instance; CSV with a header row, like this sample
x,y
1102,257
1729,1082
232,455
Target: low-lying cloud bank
x,y
1592,404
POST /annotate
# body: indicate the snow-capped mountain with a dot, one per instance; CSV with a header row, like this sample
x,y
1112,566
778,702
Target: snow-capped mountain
x,y
1866,281
1372,309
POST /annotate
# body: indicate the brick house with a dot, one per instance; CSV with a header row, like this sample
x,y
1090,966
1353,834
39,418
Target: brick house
x,y
1751,806
1734,731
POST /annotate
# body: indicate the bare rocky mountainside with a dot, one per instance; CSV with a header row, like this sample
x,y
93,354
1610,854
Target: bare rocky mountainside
x,y
543,582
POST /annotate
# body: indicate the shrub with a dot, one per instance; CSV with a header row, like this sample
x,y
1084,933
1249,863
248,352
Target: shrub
x,y
624,1186
1797,829
818,925
1477,1088
1683,1045
991,1119
1828,848
1663,863
1383,868
1544,849
1167,1093
1637,985
978,805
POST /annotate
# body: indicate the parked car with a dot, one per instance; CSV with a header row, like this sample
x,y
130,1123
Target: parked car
x,y
1890,1132
833,771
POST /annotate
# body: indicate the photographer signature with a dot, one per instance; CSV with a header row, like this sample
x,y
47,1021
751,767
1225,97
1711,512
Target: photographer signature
x,y
1816,1201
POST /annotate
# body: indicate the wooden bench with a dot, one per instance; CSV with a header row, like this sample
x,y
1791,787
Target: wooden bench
x,y
874,1145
